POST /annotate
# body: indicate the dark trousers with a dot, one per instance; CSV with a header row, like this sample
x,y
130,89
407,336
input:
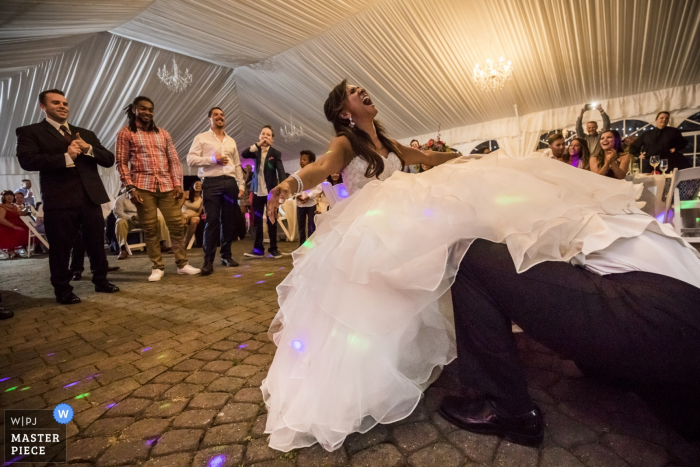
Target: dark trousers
x,y
639,329
220,198
62,227
77,256
305,219
259,206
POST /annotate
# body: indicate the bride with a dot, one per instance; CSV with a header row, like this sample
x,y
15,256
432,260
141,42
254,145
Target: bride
x,y
365,322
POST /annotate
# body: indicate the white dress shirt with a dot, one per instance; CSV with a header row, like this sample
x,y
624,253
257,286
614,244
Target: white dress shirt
x,y
69,160
203,155
262,188
313,194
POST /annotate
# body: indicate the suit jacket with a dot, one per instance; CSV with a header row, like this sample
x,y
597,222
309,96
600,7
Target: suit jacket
x,y
273,171
41,147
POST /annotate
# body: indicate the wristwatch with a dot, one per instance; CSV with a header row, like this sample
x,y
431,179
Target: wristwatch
x,y
130,188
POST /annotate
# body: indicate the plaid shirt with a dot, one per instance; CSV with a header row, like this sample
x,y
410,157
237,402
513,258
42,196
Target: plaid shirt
x,y
154,161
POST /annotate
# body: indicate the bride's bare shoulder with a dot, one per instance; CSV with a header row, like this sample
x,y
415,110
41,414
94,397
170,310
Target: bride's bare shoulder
x,y
340,146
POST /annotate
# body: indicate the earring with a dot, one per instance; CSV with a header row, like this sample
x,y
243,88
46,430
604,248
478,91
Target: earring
x,y
352,124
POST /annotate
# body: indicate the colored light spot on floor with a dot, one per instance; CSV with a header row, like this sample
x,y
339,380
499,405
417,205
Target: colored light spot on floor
x,y
260,282
49,354
269,274
11,389
82,395
71,384
281,268
243,346
147,348
165,405
4,379
24,389
237,275
109,406
217,461
149,442
161,356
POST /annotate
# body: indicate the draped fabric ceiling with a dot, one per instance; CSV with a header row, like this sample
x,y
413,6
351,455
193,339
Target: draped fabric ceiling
x,y
265,61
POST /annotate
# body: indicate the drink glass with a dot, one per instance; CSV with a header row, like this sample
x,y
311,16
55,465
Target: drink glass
x,y
664,165
654,162
635,168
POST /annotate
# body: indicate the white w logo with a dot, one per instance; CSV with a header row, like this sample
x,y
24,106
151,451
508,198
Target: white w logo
x,y
63,413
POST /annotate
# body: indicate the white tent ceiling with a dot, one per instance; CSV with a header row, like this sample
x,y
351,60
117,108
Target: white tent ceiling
x,y
414,56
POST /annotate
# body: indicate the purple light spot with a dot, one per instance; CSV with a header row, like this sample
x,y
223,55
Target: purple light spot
x,y
13,460
149,442
109,406
217,461
238,275
260,282
242,346
297,345
660,217
4,379
147,348
71,384
282,267
428,212
49,354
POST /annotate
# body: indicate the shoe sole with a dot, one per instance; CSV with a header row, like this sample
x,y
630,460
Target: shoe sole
x,y
517,438
189,273
251,255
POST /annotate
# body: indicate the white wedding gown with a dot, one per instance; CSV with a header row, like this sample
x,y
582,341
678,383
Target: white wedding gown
x,y
361,331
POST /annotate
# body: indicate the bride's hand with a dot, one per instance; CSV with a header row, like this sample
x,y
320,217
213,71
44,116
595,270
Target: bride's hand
x,y
275,198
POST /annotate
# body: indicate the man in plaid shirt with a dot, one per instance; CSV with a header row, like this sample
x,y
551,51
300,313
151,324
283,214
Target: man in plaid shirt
x,y
153,182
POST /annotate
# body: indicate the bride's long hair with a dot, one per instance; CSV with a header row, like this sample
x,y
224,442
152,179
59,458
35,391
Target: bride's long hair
x,y
359,140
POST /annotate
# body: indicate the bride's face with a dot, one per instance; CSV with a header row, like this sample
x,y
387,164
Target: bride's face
x,y
359,105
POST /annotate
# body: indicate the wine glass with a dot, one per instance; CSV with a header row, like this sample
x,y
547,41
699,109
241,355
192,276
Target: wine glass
x,y
664,165
654,162
635,169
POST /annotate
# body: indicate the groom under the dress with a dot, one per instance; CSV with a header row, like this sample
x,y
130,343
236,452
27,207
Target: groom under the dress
x,y
629,318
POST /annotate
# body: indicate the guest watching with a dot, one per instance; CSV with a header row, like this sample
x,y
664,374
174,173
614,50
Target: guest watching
x,y
192,210
609,160
127,219
216,155
21,204
13,232
269,171
591,134
67,158
415,144
307,201
335,179
579,155
154,181
26,190
557,148
664,141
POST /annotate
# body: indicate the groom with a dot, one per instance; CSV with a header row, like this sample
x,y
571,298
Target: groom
x,y
637,329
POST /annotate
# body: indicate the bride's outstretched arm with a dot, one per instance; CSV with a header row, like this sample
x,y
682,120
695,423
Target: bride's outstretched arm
x,y
339,154
412,156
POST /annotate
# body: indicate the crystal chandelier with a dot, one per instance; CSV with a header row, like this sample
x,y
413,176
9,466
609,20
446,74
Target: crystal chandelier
x,y
292,133
176,81
493,76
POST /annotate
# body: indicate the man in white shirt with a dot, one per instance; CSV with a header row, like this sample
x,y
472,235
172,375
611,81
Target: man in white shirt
x,y
216,155
26,190
307,201
628,314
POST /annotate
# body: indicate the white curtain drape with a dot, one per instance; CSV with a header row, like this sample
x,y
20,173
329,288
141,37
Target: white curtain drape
x,y
100,77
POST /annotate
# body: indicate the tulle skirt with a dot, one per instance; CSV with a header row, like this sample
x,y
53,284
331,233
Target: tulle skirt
x,y
365,323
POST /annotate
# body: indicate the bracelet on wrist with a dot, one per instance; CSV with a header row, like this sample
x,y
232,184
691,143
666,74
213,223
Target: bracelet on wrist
x,y
300,184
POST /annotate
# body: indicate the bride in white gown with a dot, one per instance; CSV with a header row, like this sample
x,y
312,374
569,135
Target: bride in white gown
x,y
362,329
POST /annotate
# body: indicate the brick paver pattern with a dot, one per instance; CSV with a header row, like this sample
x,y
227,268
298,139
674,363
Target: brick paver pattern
x,y
168,374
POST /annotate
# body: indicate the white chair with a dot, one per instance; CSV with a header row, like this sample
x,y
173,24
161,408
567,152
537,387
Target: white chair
x,y
136,246
334,193
669,195
33,233
284,224
692,234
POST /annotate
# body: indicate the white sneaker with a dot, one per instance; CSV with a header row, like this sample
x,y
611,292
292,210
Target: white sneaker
x,y
188,270
4,254
22,252
156,275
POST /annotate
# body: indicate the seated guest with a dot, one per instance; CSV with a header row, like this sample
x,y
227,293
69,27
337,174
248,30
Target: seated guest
x,y
26,190
192,210
21,203
557,148
307,201
591,135
579,155
128,219
664,141
335,179
609,160
14,234
415,145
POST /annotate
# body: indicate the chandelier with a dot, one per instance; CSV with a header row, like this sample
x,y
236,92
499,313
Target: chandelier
x,y
493,76
292,133
176,81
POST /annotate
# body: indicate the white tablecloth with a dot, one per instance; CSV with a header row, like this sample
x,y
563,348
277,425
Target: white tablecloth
x,y
653,193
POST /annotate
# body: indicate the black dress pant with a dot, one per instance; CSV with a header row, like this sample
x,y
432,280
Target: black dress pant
x,y
220,198
62,227
305,219
77,256
639,329
259,206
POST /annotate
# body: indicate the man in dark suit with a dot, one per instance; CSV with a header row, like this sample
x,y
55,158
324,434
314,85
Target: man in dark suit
x,y
267,175
664,141
67,157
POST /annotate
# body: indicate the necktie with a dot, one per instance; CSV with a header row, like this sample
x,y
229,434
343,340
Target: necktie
x,y
66,134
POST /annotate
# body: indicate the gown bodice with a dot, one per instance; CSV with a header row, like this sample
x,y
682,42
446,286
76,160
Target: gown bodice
x,y
354,173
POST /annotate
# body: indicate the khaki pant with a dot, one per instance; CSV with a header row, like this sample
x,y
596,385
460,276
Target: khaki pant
x,y
172,213
124,226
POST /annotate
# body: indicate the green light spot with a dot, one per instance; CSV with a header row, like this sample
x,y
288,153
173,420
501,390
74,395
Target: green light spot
x,y
82,395
269,274
375,212
308,244
24,389
510,199
11,389
161,356
165,405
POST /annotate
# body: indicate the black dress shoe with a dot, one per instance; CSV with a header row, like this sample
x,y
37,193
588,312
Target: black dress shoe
x,y
68,299
229,262
106,288
5,314
112,268
77,275
480,416
275,253
207,269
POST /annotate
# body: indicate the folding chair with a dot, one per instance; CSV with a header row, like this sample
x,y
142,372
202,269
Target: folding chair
x,y
135,246
33,233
